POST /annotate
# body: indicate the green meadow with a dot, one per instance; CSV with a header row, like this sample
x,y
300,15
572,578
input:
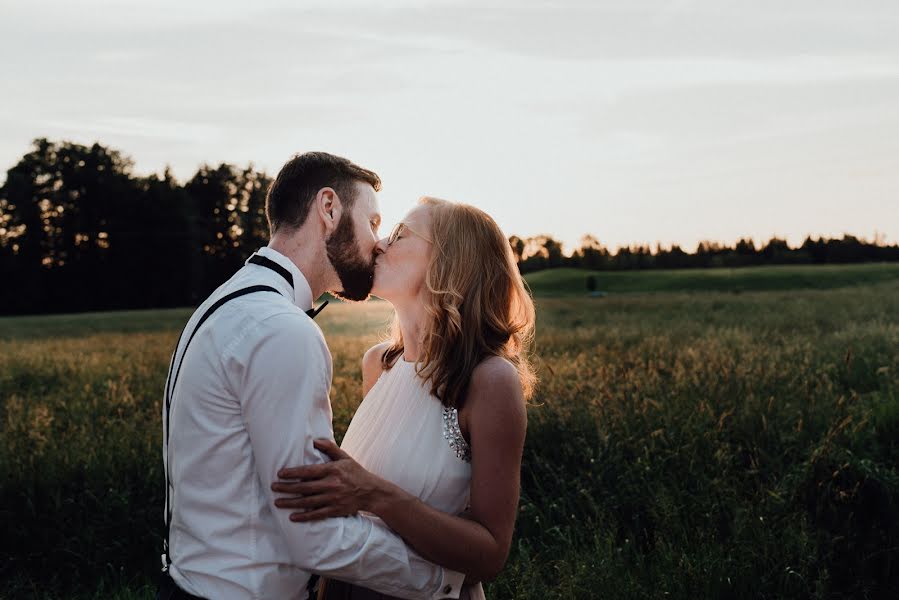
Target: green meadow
x,y
572,282
695,434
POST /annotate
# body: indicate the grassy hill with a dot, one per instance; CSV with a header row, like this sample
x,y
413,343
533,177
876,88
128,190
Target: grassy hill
x,y
544,284
572,282
680,445
93,323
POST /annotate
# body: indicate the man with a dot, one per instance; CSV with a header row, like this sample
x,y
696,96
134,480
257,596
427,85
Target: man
x,y
247,394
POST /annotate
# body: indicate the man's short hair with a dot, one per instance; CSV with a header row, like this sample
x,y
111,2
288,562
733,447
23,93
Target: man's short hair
x,y
299,180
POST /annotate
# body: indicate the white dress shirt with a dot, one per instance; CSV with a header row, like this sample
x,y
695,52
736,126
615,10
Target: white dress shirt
x,y
251,397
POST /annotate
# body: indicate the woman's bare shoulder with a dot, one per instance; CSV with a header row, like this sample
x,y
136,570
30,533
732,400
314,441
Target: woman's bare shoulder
x,y
496,380
371,361
495,370
495,409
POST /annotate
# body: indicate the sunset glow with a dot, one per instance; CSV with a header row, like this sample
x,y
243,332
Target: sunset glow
x,y
636,122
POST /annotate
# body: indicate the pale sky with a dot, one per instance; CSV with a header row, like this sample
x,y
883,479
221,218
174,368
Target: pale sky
x,y
634,121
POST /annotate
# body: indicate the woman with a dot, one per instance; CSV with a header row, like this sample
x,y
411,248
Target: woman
x,y
442,425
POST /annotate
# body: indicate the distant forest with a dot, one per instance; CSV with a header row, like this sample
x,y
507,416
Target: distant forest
x,y
80,231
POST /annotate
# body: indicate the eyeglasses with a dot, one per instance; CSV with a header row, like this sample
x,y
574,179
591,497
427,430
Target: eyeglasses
x,y
398,231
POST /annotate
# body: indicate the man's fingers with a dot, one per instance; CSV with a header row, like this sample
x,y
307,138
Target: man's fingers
x,y
330,448
301,488
306,502
315,515
305,472
315,471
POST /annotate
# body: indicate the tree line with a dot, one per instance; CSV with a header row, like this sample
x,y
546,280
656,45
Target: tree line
x,y
79,230
544,252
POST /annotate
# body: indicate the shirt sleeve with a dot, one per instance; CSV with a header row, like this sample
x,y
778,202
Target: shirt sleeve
x,y
284,391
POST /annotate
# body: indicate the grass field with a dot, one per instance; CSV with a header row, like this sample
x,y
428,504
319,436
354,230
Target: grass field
x,y
683,444
572,282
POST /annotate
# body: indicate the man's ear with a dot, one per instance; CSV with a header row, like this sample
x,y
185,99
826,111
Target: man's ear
x,y
329,208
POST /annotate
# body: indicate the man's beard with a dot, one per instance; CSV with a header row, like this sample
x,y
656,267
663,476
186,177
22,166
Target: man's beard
x,y
355,273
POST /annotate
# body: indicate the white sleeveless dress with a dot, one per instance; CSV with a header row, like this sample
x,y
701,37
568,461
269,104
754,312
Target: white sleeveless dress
x,y
403,433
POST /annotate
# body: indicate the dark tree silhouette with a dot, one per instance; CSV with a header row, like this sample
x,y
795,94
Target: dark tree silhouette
x,y
67,204
80,231
592,254
517,245
229,218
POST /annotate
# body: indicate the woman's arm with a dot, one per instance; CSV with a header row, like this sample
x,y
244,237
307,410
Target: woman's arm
x,y
477,545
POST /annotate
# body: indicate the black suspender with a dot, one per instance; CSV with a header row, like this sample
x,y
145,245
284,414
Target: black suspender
x,y
170,382
172,377
258,259
262,261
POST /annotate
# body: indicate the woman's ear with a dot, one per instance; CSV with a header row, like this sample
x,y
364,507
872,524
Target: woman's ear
x,y
329,208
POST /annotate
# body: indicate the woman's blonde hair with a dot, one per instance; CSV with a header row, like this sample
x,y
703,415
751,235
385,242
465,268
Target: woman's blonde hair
x,y
478,304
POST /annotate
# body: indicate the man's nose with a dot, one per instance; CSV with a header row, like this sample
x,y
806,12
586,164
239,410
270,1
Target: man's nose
x,y
381,246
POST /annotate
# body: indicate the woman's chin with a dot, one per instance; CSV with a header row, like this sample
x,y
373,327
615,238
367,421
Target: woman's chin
x,y
379,291
381,284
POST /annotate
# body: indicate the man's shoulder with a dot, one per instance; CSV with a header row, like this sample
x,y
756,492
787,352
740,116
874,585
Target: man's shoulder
x,y
262,316
287,338
289,321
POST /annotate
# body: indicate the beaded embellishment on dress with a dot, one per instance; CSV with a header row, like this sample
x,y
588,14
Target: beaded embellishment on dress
x,y
453,434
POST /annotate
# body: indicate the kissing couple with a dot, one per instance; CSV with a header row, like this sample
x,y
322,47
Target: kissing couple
x,y
420,500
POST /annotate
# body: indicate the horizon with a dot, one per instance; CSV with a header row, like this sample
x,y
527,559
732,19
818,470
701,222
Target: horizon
x,y
640,123
568,250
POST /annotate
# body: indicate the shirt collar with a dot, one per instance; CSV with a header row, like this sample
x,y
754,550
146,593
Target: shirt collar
x,y
302,293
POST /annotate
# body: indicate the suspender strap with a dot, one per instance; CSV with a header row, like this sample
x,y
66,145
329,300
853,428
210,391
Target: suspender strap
x,y
262,261
172,379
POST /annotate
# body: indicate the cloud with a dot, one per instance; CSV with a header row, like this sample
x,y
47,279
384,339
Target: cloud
x,y
137,127
624,108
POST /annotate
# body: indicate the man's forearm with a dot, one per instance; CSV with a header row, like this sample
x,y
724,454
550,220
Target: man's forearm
x,y
363,551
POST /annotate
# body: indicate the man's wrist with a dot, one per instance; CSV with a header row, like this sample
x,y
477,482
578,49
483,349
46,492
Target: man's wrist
x,y
450,586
